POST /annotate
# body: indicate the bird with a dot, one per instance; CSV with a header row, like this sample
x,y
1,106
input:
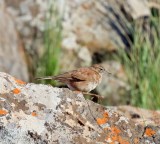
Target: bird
x,y
83,79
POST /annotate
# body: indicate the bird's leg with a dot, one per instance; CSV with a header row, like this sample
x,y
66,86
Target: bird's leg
x,y
86,93
95,95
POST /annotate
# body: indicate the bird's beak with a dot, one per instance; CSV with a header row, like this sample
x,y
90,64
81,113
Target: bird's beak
x,y
108,72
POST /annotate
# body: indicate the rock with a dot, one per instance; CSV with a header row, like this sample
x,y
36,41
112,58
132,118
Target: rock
x,y
137,9
95,25
140,116
98,26
36,113
30,19
102,24
74,59
114,86
12,58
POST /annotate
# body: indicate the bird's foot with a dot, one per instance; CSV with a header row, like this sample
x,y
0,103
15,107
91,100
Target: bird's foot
x,y
94,95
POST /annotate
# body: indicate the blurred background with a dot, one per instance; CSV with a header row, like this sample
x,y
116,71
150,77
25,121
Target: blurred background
x,y
49,37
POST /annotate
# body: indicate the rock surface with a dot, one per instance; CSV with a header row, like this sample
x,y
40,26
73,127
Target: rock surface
x,y
35,113
101,24
12,58
114,86
90,23
87,24
139,115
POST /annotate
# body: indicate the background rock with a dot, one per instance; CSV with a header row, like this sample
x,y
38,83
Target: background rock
x,y
89,28
102,24
114,86
137,9
92,24
12,57
140,116
31,113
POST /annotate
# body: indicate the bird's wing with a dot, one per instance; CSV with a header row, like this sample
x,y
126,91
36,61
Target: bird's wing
x,y
73,76
82,74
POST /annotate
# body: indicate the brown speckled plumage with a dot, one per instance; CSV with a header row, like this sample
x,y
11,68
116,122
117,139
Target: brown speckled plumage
x,y
83,79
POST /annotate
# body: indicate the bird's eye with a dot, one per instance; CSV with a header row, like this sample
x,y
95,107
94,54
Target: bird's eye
x,y
101,69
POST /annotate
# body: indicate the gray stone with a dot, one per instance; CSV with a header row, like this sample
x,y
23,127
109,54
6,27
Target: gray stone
x,y
36,113
12,58
139,115
92,24
102,24
114,86
137,8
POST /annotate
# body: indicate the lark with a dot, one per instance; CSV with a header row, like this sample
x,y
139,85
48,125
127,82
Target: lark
x,y
83,79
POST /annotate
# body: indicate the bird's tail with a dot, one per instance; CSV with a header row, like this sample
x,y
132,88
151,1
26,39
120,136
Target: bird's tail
x,y
45,78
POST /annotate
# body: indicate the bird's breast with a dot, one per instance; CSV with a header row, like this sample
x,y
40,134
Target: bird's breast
x,y
92,85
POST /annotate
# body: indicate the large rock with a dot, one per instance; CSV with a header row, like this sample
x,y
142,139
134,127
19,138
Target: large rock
x,y
12,58
35,113
88,26
139,115
30,19
95,24
114,87
103,24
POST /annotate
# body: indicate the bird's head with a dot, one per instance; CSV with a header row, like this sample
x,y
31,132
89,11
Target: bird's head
x,y
100,69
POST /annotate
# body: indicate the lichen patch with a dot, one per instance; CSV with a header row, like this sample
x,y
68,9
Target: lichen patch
x,y
114,136
16,91
34,114
104,119
149,132
3,112
19,81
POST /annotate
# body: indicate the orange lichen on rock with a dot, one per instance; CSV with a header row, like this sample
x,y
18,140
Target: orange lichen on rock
x,y
16,91
115,130
104,119
149,132
19,81
3,112
136,141
34,114
115,137
122,141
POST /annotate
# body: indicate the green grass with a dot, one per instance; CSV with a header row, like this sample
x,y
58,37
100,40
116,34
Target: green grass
x,y
142,64
49,62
